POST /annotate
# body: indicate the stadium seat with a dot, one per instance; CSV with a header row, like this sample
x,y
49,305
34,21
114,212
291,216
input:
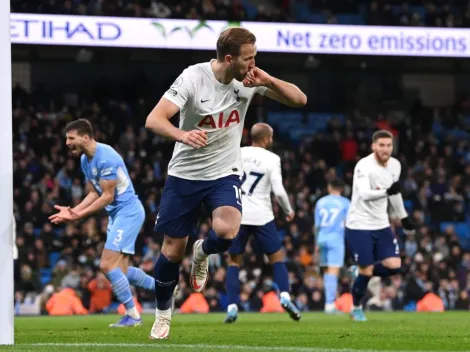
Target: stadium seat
x,y
301,11
418,9
410,307
459,134
317,18
113,307
298,134
437,129
145,249
46,276
250,9
46,271
274,117
467,120
409,206
461,228
45,280
293,116
53,258
349,19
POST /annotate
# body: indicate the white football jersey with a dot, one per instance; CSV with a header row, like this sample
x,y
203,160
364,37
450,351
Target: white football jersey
x,y
369,202
262,174
217,108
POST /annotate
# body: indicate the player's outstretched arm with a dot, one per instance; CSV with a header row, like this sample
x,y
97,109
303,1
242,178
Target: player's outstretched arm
x,y
90,198
106,198
284,92
68,214
158,122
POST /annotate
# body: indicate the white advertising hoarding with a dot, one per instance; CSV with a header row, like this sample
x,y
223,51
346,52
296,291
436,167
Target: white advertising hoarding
x,y
271,37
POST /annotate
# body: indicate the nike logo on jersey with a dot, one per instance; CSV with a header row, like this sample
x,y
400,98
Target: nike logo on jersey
x,y
203,101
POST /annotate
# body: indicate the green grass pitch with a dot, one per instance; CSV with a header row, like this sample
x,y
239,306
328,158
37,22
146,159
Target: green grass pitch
x,y
316,332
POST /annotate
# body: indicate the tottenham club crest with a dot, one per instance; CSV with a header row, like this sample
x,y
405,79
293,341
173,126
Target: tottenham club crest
x,y
177,83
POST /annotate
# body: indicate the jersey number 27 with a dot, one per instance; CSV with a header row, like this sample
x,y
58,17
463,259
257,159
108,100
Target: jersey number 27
x,y
328,216
257,175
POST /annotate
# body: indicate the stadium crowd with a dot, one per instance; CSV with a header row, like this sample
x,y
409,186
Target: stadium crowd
x,y
435,13
435,177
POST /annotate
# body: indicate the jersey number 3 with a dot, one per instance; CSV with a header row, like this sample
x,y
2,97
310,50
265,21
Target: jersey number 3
x,y
257,175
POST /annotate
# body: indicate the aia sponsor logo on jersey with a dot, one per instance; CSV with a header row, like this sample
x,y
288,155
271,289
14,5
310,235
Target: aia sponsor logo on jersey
x,y
220,121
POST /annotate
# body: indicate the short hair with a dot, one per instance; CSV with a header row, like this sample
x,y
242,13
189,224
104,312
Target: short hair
x,y
82,126
259,131
336,183
381,134
231,40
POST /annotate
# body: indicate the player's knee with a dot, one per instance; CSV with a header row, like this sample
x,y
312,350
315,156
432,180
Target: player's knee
x,y
277,257
110,260
106,266
173,254
366,270
235,260
332,270
392,263
225,229
174,248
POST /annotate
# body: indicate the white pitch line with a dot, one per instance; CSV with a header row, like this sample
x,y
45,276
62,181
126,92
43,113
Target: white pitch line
x,y
215,347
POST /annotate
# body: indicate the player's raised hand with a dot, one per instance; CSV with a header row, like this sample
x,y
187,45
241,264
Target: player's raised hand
x,y
195,138
256,78
290,217
62,210
65,214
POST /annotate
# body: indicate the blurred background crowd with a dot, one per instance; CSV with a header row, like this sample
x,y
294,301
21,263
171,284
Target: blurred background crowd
x,y
316,144
432,13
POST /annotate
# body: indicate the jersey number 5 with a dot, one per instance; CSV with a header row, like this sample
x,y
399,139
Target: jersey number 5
x,y
258,176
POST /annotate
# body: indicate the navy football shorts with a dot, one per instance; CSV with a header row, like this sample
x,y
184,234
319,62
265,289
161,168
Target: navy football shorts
x,y
266,236
180,206
370,246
